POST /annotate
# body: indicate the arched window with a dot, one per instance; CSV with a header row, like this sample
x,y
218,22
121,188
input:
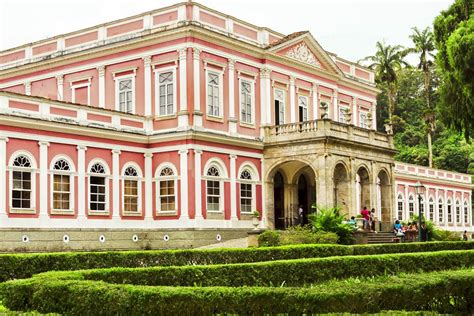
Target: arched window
x,y
458,212
431,209
22,183
166,190
422,206
131,191
411,206
247,195
440,211
97,188
400,206
450,211
466,213
214,191
62,186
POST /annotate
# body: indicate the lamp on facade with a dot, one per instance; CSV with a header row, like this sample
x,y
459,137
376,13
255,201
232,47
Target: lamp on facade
x,y
420,191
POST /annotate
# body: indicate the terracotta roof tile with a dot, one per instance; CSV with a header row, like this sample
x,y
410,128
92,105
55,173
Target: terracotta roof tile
x,y
287,38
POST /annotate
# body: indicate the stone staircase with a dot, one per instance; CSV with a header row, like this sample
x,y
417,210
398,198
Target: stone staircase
x,y
380,238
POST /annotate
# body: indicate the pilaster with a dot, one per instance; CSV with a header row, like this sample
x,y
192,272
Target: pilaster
x,y
183,170
43,181
183,102
101,73
28,88
233,188
292,100
354,111
60,87
197,115
81,181
232,118
334,112
115,183
148,186
3,177
315,95
198,189
147,84
265,96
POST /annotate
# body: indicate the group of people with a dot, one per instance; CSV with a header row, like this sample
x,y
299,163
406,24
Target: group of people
x,y
369,219
409,232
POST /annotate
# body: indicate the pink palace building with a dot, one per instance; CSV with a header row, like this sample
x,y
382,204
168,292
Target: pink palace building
x,y
172,128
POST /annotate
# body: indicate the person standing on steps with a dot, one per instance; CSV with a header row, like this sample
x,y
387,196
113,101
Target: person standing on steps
x,y
366,216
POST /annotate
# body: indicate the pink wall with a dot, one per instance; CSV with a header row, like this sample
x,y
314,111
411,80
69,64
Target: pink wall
x,y
45,88
10,57
81,39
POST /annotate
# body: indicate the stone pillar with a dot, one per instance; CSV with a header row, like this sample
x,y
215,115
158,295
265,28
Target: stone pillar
x,y
183,103
115,183
3,177
315,102
293,109
60,87
265,97
183,170
197,116
81,181
101,73
323,185
43,181
233,188
373,186
148,186
197,179
232,117
147,84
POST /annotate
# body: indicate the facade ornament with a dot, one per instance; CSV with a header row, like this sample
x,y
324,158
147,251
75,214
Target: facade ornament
x,y
196,53
182,53
147,61
60,80
265,73
347,115
388,129
302,53
369,119
324,107
101,70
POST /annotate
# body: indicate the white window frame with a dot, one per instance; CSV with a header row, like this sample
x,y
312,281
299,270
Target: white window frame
x,y
117,79
466,213
71,174
431,204
139,179
220,74
449,207
458,211
400,199
282,103
304,107
341,117
75,85
157,72
252,100
217,163
34,171
411,200
440,218
107,187
247,166
365,125
174,178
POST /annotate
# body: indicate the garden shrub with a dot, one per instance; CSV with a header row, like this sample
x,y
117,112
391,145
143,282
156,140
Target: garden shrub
x,y
269,238
450,292
330,220
297,235
299,272
16,266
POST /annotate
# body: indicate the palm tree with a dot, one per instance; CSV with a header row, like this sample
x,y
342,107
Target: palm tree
x,y
424,45
386,62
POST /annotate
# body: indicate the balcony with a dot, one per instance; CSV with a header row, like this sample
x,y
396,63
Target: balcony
x,y
324,129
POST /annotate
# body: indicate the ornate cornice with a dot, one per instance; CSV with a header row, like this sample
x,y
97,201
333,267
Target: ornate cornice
x,y
302,53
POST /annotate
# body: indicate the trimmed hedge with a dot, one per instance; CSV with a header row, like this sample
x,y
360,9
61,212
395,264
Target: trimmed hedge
x,y
446,292
16,266
300,272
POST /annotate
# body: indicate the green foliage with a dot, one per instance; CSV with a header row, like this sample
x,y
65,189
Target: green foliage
x,y
445,235
330,220
269,238
450,292
454,37
304,235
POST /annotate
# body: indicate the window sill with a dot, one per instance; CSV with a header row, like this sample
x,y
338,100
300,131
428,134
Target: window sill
x,y
215,215
132,214
165,117
98,213
62,212
247,125
22,211
219,119
166,213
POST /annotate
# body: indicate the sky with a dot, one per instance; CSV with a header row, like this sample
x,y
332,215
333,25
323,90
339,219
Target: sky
x,y
348,28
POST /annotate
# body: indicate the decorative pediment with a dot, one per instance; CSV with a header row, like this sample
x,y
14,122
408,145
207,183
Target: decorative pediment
x,y
302,53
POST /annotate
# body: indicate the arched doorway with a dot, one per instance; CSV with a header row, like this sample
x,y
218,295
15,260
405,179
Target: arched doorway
x,y
362,188
384,189
279,200
341,188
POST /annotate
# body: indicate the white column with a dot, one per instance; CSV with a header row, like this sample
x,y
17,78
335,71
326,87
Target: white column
x,y
354,111
60,87
445,208
374,115
265,96
233,189
197,184
3,177
183,103
115,183
334,110
148,186
407,214
436,205
292,100
147,83
232,118
101,73
81,181
315,102
197,116
183,170
43,181
28,88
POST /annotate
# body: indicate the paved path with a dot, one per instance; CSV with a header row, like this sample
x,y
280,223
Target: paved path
x,y
233,243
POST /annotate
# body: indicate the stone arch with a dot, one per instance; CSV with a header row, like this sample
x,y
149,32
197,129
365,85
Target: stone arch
x,y
362,186
341,181
384,196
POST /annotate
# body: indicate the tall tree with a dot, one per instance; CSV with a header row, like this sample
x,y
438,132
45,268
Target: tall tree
x,y
424,45
386,62
454,38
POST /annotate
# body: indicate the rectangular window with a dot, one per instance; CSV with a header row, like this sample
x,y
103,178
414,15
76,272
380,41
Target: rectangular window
x,y
303,108
130,196
466,214
279,107
246,197
431,211
400,210
167,196
458,213
411,209
213,196
450,214
61,192
213,98
246,114
97,194
166,93
363,120
440,212
125,95
21,193
343,114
